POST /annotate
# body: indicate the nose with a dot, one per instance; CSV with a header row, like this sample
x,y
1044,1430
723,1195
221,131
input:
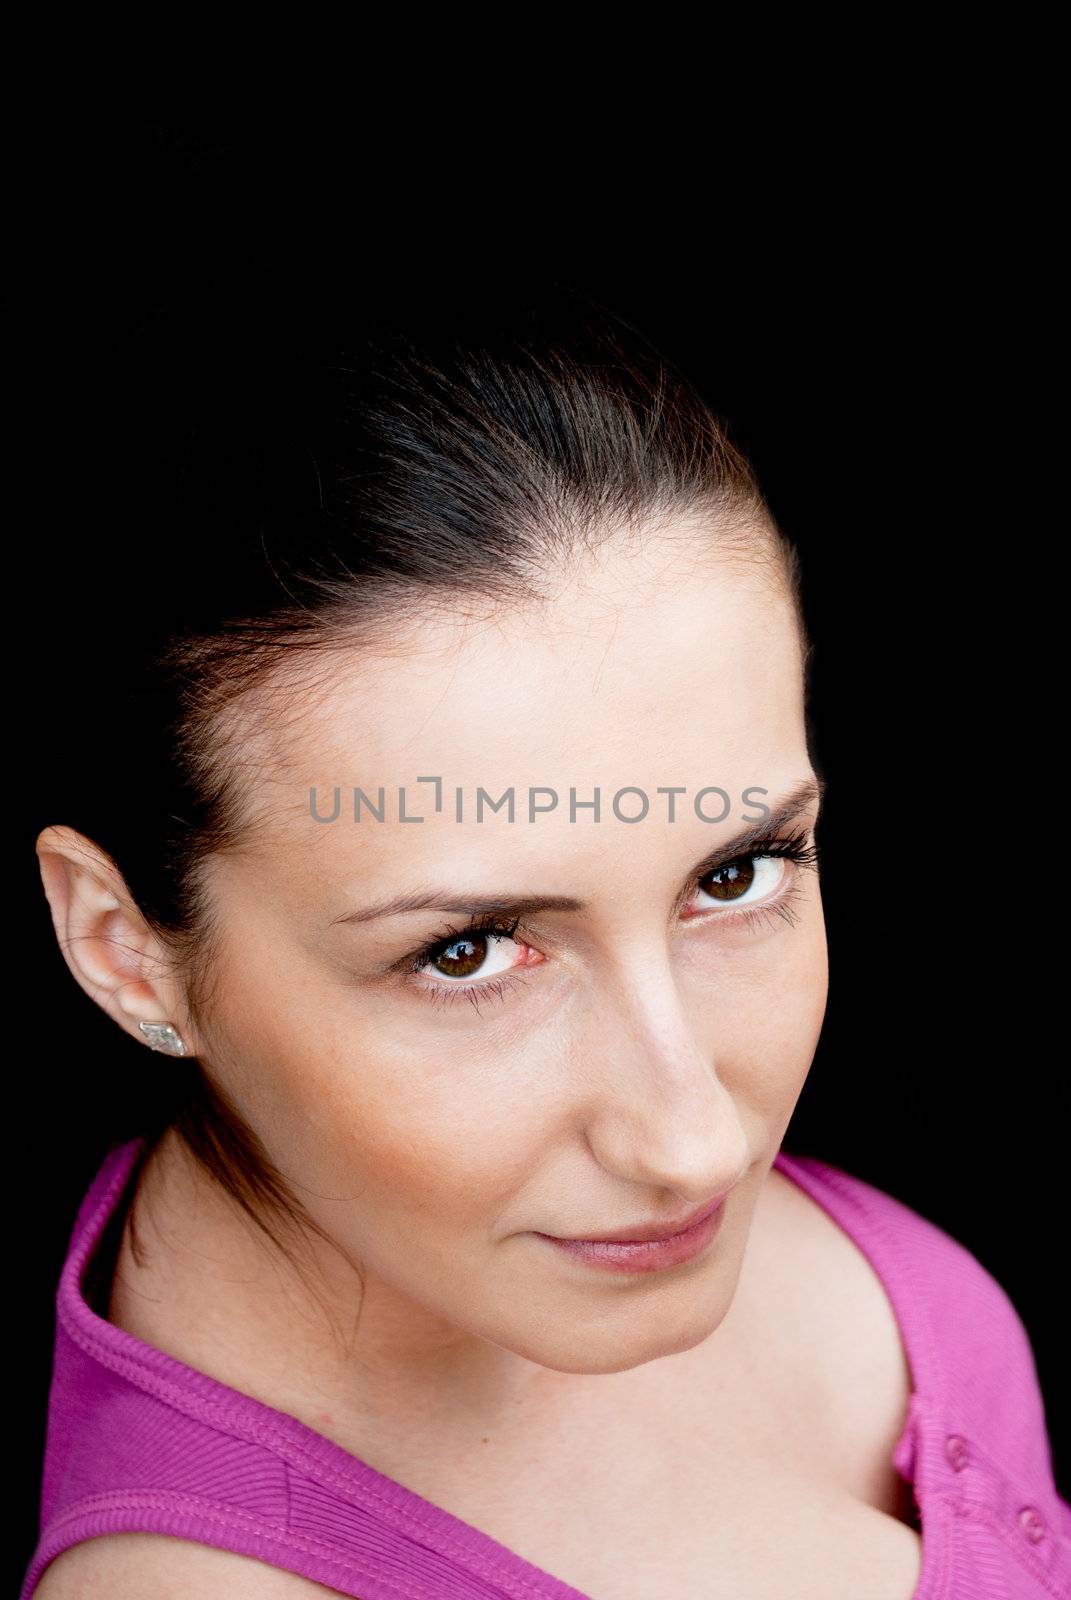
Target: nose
x,y
658,1112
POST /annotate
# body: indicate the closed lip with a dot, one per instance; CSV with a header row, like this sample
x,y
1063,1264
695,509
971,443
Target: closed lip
x,y
647,1231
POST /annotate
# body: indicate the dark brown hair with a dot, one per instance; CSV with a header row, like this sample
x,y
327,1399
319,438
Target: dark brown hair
x,y
308,492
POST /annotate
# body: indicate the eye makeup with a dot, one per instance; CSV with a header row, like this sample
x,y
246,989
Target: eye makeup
x,y
729,881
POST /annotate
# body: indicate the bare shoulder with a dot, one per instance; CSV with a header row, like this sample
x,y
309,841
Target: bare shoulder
x,y
844,1294
852,1334
137,1566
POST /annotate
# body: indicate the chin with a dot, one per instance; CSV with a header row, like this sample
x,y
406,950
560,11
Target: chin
x,y
640,1338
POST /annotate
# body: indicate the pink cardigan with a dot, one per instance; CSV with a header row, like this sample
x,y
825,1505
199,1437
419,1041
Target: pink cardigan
x,y
138,1441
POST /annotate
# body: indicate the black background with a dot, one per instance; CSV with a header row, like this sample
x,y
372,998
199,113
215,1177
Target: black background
x,y
875,330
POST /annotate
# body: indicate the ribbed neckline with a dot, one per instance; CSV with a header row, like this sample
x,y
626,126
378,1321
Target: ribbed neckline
x,y
218,1405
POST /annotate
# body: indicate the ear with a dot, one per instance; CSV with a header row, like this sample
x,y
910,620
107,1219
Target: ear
x,y
106,942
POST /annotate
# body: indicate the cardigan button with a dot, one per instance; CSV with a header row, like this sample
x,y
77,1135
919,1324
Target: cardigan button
x,y
957,1452
1031,1523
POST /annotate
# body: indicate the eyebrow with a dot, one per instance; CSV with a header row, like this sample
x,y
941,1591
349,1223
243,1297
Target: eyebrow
x,y
460,903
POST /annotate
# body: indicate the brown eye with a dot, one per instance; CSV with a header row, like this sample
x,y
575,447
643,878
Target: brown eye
x,y
473,950
729,881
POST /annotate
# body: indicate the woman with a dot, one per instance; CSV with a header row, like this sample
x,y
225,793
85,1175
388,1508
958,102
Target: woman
x,y
466,869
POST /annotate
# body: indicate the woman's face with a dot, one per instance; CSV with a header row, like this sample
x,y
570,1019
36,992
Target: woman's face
x,y
619,1059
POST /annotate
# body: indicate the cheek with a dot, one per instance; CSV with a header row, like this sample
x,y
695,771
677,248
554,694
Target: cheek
x,y
344,1109
804,980
781,1011
416,1165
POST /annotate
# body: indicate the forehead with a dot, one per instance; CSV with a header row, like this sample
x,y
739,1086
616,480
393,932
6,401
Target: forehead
x,y
620,661
643,669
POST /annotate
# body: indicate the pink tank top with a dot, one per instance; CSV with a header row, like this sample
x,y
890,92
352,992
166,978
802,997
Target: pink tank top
x,y
138,1441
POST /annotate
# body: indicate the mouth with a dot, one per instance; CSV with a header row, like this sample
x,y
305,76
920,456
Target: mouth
x,y
650,1248
644,1232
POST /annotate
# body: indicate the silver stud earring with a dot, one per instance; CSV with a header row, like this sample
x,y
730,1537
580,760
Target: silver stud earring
x,y
162,1036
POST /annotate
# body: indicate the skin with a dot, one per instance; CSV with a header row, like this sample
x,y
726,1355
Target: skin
x,y
644,1060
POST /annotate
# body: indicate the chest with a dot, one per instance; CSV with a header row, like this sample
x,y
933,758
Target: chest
x,y
787,1540
699,1517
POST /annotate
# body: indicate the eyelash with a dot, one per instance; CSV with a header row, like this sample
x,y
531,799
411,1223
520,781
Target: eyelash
x,y
794,848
